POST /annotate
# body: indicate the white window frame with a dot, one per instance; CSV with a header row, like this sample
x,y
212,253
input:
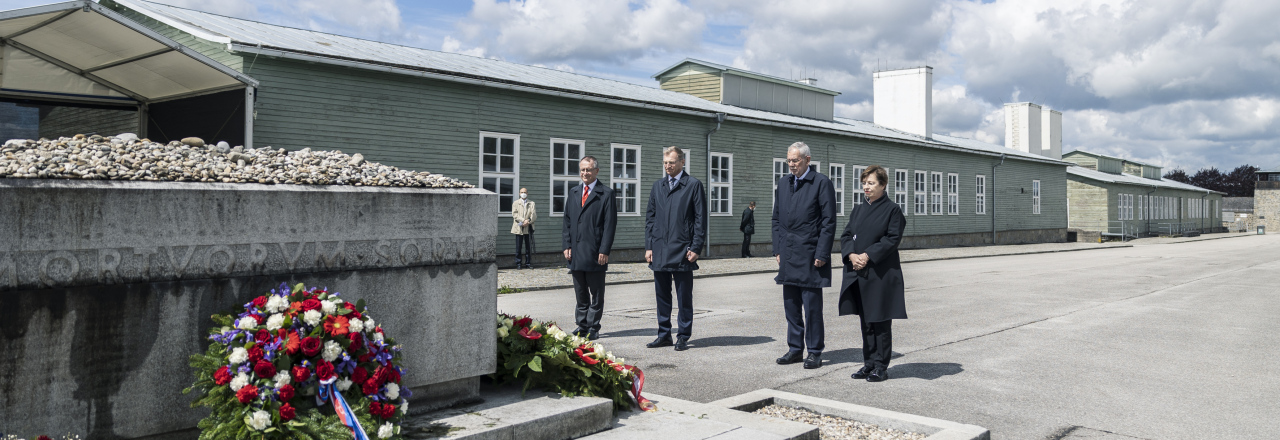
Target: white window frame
x,y
565,181
620,197
688,161
935,193
921,193
900,184
837,181
858,196
779,164
514,174
815,166
1142,207
953,194
721,185
980,194
1035,197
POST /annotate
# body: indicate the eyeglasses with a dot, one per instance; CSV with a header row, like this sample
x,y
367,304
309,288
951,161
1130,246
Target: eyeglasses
x,y
588,170
794,161
667,162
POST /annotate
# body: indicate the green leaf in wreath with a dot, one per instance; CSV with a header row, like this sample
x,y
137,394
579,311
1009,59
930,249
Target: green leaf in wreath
x,y
536,364
298,288
284,362
342,312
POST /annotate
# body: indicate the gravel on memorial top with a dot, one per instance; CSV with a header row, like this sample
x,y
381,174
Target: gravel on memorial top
x,y
835,428
125,157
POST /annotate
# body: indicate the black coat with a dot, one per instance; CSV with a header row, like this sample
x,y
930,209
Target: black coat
x,y
748,225
804,226
675,223
878,227
588,229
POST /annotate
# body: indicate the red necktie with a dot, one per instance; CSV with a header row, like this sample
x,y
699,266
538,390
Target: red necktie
x,y
585,191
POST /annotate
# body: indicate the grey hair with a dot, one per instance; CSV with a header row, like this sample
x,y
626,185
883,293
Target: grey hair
x,y
673,149
802,147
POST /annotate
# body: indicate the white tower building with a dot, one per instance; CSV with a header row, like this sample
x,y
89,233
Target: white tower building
x,y
903,100
1051,132
1022,127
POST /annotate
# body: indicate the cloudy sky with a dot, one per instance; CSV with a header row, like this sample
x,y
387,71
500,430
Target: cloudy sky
x,y
1183,83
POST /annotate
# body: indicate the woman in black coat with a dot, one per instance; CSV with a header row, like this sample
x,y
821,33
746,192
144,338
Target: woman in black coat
x,y
872,287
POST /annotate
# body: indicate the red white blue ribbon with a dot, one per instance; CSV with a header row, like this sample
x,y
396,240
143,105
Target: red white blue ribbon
x,y
330,392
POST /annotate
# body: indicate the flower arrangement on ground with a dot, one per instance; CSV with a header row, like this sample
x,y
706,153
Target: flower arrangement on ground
x,y
299,363
546,357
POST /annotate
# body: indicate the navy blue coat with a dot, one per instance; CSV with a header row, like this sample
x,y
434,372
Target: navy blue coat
x,y
804,227
875,229
675,223
588,229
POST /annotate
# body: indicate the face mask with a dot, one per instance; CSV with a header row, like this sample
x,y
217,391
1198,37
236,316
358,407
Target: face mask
x,y
523,196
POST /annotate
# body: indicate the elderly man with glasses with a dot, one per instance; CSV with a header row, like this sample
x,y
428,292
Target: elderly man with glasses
x,y
588,236
804,227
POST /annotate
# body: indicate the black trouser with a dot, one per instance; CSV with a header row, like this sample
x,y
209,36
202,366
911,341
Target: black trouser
x,y
877,343
803,306
684,296
589,289
525,242
746,245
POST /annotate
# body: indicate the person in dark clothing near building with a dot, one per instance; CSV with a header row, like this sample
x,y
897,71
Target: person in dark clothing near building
x,y
804,227
872,287
674,232
748,227
588,237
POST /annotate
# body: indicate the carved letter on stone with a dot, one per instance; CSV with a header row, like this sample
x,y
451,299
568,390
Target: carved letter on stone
x,y
224,269
144,263
404,252
383,249
54,278
291,259
258,257
8,272
179,263
335,259
108,261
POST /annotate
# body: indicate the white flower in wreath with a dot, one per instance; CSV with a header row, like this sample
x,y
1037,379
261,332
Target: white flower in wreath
x,y
312,317
386,430
238,356
331,350
357,325
507,322
343,384
239,381
502,333
377,336
259,420
393,391
277,304
328,307
336,300
275,322
404,406
247,323
369,324
282,378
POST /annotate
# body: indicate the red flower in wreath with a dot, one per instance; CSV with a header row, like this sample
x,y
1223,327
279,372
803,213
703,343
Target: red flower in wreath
x,y
263,336
287,412
585,358
255,354
43,437
310,304
301,374
260,301
352,307
324,370
360,375
336,325
387,373
285,393
388,411
311,346
357,341
261,319
247,394
370,386
264,369
523,322
528,333
292,343
222,376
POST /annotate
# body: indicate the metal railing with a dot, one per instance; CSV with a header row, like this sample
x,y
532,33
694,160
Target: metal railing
x,y
1177,228
1122,228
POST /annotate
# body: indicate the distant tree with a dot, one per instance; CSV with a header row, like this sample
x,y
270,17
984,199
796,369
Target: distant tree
x,y
1209,178
1178,175
1239,182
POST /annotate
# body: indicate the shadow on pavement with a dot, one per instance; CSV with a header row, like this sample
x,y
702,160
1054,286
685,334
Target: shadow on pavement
x,y
629,333
729,341
924,371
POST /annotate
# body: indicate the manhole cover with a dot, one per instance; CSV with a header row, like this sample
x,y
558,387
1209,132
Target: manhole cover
x,y
650,312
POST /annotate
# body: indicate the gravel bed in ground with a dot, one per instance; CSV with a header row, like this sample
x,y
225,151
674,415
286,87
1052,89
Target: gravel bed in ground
x,y
835,428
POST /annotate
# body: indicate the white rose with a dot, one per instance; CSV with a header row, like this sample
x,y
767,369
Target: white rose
x,y
312,317
386,430
239,381
357,325
507,322
393,391
502,333
336,300
343,384
275,322
259,420
282,378
247,323
238,356
277,304
331,350
328,307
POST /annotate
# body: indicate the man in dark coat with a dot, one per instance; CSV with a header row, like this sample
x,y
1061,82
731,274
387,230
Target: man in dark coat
x,y
588,237
804,226
872,287
674,232
748,227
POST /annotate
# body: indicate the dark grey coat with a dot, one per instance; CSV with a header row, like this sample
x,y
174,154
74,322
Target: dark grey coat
x,y
804,227
588,229
878,227
748,225
675,223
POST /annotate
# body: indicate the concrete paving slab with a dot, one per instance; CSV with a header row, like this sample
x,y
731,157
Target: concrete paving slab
x,y
507,414
936,429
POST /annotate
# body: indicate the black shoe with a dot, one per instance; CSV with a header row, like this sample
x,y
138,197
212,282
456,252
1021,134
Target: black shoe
x,y
790,358
878,376
682,343
814,361
593,335
528,266
861,373
517,263
580,332
660,342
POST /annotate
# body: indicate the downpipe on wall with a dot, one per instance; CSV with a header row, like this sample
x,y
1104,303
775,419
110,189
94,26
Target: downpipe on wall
x,y
719,118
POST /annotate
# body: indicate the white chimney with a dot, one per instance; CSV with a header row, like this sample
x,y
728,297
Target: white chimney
x,y
1052,134
903,100
809,81
1022,127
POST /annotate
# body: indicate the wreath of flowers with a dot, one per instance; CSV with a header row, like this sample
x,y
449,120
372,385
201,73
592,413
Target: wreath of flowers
x,y
276,369
549,358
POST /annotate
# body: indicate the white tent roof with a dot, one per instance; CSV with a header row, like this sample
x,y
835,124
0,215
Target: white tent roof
x,y
81,50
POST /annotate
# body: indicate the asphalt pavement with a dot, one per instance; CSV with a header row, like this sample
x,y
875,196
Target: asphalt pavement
x,y
1156,341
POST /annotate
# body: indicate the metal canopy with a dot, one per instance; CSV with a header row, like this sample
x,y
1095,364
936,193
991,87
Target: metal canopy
x,y
82,50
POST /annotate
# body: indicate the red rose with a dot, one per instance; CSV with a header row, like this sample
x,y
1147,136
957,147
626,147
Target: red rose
x,y
310,304
311,346
324,370
285,393
357,341
529,334
352,307
360,375
301,374
387,373
264,369
222,376
388,411
375,408
261,319
369,387
247,394
367,356
286,412
522,322
260,301
255,354
263,336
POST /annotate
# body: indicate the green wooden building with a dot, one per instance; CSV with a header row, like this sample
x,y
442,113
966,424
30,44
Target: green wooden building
x,y
1129,199
504,126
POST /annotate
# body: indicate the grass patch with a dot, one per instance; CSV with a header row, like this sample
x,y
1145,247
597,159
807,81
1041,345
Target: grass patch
x,y
503,290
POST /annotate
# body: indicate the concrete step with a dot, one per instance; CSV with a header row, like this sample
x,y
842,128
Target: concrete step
x,y
678,419
506,414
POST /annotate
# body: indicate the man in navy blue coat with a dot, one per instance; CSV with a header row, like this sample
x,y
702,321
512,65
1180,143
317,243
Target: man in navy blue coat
x,y
590,218
804,227
674,231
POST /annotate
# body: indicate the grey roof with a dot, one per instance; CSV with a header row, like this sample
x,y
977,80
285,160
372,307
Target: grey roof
x,y
1237,204
1133,180
1113,157
253,37
724,68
